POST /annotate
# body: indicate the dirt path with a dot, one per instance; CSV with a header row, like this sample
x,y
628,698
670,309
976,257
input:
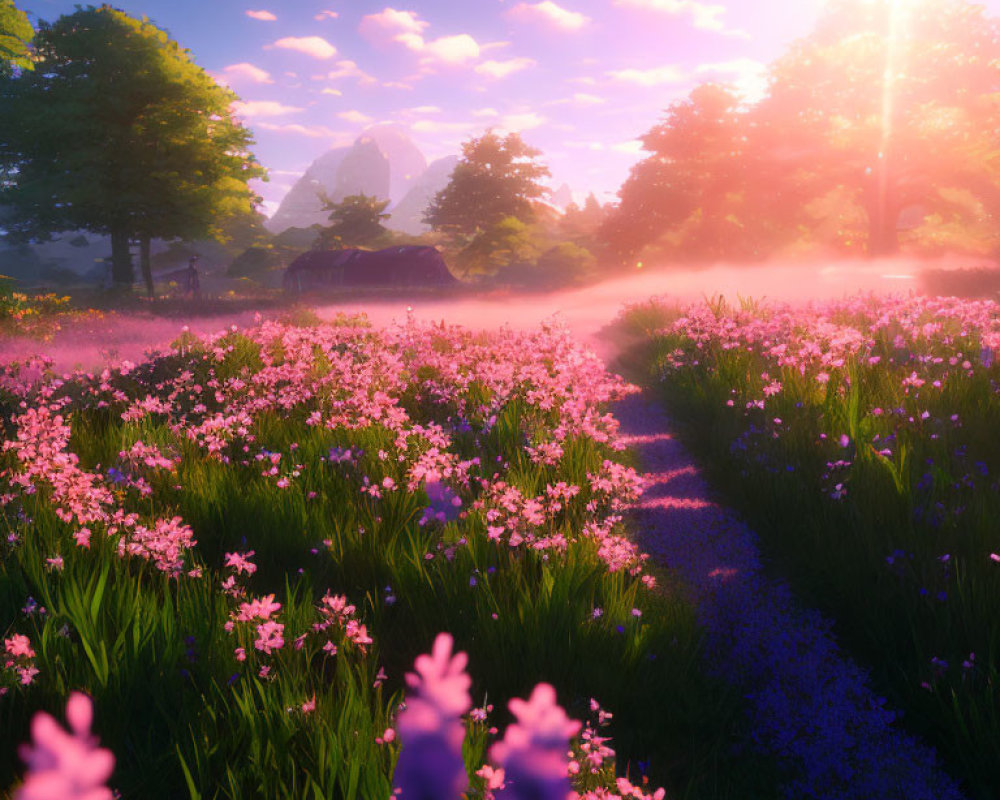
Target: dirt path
x,y
810,706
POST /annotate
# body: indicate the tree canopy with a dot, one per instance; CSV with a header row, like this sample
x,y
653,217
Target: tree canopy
x,y
354,221
883,118
117,131
15,36
495,178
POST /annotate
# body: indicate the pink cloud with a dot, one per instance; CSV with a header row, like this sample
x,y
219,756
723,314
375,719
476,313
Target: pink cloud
x,y
501,69
550,13
264,16
312,131
262,108
315,46
348,69
356,117
522,122
244,72
389,24
326,14
406,28
704,16
655,76
450,49
439,126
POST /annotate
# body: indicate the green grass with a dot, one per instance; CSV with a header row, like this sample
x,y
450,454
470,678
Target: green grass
x,y
901,561
186,718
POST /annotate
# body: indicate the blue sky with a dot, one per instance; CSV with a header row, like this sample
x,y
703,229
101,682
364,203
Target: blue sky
x,y
580,79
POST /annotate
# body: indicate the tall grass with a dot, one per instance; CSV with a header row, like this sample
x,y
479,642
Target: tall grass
x,y
862,440
146,510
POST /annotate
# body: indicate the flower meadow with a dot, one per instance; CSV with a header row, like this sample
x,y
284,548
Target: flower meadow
x,y
242,567
861,438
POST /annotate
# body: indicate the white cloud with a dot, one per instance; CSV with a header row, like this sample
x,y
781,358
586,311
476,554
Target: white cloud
x,y
704,16
406,28
439,126
656,76
584,99
631,147
348,69
551,13
748,77
244,72
326,14
485,112
262,108
334,92
420,110
315,46
312,131
356,117
397,85
390,23
522,122
501,69
585,145
263,16
450,49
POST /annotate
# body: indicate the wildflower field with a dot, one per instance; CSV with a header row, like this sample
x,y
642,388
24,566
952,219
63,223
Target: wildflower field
x,y
223,561
861,438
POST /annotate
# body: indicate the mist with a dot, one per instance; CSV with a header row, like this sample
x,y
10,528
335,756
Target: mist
x,y
585,310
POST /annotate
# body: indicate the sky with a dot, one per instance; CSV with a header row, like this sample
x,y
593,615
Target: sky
x,y
579,79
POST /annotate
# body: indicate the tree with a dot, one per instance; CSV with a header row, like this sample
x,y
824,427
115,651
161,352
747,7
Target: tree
x,y
354,221
894,103
15,36
696,181
117,131
495,178
507,241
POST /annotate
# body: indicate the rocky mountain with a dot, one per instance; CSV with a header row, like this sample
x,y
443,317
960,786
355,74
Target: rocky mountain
x,y
407,215
382,162
562,196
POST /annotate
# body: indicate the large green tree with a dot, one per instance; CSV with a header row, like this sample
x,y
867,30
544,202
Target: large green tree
x,y
497,177
117,131
15,37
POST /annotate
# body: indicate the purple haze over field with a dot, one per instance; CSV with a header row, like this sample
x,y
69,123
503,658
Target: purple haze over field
x,y
584,310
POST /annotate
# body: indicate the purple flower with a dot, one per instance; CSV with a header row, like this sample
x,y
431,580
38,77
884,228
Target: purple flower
x,y
430,765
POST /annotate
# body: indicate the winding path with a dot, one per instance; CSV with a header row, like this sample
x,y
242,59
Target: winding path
x,y
810,706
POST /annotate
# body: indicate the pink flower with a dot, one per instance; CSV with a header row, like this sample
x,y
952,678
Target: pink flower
x,y
269,636
63,766
18,645
309,705
241,562
533,750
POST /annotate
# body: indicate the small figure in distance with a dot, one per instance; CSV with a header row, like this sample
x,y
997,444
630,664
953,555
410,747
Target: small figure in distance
x,y
193,284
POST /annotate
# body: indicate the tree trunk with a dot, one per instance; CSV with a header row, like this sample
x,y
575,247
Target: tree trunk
x,y
122,274
144,263
883,238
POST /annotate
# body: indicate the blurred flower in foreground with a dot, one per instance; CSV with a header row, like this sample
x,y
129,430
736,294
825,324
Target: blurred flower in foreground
x,y
533,750
431,731
63,766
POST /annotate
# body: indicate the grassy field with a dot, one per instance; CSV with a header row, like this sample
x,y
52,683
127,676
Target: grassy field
x,y
861,438
238,547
